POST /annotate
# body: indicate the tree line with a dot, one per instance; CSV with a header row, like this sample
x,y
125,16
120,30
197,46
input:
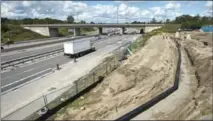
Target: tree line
x,y
193,22
186,21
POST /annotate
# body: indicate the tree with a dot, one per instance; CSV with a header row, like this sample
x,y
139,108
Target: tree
x,y
167,20
82,22
153,21
70,19
92,23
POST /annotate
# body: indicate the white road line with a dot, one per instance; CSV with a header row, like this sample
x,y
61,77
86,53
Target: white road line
x,y
18,73
5,92
24,78
37,61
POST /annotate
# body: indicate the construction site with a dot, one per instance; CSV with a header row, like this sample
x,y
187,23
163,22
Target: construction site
x,y
147,73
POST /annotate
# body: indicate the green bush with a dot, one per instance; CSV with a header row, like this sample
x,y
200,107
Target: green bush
x,y
17,33
171,28
140,42
63,31
9,42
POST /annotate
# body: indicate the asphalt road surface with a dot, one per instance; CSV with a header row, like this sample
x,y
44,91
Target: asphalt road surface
x,y
30,69
27,52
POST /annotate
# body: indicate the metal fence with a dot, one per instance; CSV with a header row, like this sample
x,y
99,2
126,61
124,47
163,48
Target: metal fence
x,y
38,107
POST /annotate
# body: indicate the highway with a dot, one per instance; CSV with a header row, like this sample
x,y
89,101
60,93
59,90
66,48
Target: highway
x,y
35,67
27,52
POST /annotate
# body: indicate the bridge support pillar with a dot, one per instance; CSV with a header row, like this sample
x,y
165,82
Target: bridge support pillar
x,y
100,30
77,32
123,30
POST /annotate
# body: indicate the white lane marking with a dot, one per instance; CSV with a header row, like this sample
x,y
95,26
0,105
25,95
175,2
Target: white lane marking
x,y
5,92
18,73
37,61
24,78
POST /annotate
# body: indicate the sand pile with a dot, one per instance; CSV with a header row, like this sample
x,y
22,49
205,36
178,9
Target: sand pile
x,y
193,99
141,77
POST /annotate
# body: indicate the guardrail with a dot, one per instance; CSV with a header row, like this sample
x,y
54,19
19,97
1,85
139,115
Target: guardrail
x,y
44,43
36,56
43,106
50,102
28,58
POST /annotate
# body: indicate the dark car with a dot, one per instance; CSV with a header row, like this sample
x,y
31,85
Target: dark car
x,y
2,48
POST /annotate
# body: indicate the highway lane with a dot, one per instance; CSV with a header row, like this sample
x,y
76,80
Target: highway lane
x,y
19,73
7,56
25,53
28,52
33,42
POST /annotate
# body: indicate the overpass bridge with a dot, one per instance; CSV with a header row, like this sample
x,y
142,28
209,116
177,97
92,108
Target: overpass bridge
x,y
52,29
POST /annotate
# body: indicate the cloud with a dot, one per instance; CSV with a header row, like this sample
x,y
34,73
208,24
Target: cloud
x,y
208,11
168,11
209,4
82,11
172,6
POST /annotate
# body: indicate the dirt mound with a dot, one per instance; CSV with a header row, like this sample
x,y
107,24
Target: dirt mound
x,y
202,60
193,99
141,77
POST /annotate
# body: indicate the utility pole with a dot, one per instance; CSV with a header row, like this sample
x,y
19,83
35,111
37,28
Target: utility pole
x,y
165,16
117,14
77,16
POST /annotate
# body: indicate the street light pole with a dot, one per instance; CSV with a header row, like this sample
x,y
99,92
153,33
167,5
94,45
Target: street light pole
x,y
117,14
165,17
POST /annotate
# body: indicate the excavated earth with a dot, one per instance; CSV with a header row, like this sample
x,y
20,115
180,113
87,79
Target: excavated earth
x,y
200,53
193,99
144,75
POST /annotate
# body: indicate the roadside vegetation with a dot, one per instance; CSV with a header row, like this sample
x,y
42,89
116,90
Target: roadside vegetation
x,y
185,21
140,42
12,32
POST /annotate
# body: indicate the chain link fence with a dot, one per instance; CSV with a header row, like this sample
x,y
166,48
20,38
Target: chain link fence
x,y
41,105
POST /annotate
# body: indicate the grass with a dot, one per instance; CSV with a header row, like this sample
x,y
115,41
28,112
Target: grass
x,y
64,32
141,41
17,33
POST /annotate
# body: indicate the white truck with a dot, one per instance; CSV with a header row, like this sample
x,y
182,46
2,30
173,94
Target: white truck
x,y
76,48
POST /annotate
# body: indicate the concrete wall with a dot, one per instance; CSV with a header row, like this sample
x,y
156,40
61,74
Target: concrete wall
x,y
53,32
77,32
46,31
149,29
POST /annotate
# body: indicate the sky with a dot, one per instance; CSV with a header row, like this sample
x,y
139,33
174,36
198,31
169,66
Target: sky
x,y
105,11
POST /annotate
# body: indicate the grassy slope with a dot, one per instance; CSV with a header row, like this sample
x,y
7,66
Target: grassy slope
x,y
17,33
140,42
